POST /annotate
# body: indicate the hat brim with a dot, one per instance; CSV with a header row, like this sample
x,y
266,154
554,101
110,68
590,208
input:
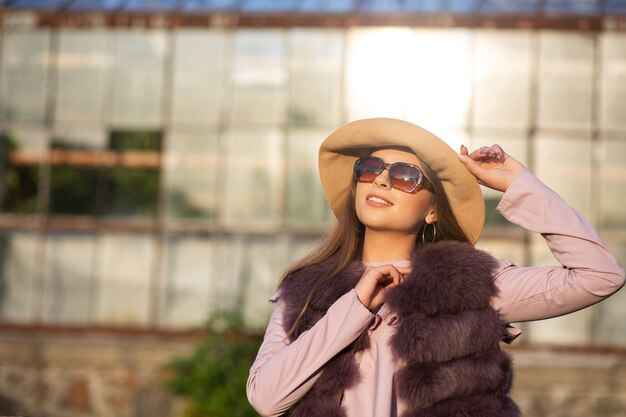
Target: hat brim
x,y
340,150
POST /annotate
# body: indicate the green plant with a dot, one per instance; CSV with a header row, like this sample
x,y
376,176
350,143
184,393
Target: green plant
x,y
213,378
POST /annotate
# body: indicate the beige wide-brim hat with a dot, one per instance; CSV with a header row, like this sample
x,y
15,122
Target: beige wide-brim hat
x,y
341,149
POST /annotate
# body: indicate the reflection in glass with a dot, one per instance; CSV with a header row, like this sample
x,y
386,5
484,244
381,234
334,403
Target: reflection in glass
x,y
138,77
502,80
191,172
259,77
316,70
565,80
198,76
612,183
83,64
24,75
253,193
613,81
67,289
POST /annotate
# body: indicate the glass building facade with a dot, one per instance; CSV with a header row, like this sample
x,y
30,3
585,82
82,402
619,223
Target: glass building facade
x,y
153,174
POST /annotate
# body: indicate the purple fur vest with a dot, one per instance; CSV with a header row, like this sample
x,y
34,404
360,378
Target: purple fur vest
x,y
447,336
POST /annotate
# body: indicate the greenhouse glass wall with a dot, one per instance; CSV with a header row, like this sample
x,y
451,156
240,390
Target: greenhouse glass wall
x,y
160,165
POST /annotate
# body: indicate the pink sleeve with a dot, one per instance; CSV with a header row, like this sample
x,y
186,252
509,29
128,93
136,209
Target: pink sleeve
x,y
588,272
282,373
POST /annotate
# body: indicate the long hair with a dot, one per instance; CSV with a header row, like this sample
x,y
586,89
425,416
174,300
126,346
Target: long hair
x,y
344,241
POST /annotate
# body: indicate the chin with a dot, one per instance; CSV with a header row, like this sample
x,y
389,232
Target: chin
x,y
391,228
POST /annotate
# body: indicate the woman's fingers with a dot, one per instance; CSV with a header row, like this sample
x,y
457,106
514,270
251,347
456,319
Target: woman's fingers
x,y
487,153
370,288
492,166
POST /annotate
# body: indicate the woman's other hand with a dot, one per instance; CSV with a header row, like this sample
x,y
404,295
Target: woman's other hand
x,y
492,166
375,281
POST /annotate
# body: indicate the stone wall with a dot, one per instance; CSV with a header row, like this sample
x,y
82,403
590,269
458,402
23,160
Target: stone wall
x,y
46,373
107,374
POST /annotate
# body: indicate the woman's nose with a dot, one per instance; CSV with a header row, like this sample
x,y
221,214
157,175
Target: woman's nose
x,y
382,180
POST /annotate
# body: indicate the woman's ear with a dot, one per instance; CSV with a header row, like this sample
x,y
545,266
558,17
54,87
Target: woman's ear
x,y
431,217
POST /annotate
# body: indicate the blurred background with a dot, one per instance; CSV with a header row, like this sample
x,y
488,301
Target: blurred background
x,y
158,167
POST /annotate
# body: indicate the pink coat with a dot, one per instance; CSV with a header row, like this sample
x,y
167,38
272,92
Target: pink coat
x,y
282,373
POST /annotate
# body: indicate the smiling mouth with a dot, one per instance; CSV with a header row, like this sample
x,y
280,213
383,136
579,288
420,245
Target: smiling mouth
x,y
378,201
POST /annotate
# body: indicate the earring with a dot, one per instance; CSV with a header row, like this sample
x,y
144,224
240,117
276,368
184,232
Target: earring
x,y
424,232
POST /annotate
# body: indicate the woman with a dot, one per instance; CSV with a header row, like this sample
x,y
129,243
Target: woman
x,y
396,314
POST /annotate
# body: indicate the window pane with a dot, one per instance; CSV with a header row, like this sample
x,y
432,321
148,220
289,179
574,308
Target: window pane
x,y
316,70
612,183
21,178
565,80
306,204
133,191
253,193
564,164
17,275
125,266
138,71
191,175
84,63
24,77
613,81
77,189
259,77
261,268
247,277
512,250
502,86
190,266
67,296
198,76
74,190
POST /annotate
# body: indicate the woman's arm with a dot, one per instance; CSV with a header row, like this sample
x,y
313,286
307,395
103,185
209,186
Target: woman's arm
x,y
588,272
282,373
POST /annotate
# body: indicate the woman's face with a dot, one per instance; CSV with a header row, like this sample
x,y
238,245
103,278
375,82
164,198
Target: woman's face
x,y
383,208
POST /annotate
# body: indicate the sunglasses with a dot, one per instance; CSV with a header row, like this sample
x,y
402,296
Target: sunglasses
x,y
402,176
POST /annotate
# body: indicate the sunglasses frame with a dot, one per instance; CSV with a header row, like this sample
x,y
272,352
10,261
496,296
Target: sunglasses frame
x,y
422,180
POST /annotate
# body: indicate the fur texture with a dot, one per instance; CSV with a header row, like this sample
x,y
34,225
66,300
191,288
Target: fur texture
x,y
447,336
422,338
424,385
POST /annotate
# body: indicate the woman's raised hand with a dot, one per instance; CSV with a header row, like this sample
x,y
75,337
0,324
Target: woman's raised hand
x,y
492,166
375,281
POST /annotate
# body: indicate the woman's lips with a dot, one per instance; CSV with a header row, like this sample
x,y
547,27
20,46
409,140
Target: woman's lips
x,y
375,200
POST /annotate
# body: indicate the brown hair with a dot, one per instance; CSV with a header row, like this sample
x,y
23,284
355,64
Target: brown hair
x,y
345,239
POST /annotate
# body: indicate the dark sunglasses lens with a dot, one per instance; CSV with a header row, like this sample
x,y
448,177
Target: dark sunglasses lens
x,y
367,169
404,177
